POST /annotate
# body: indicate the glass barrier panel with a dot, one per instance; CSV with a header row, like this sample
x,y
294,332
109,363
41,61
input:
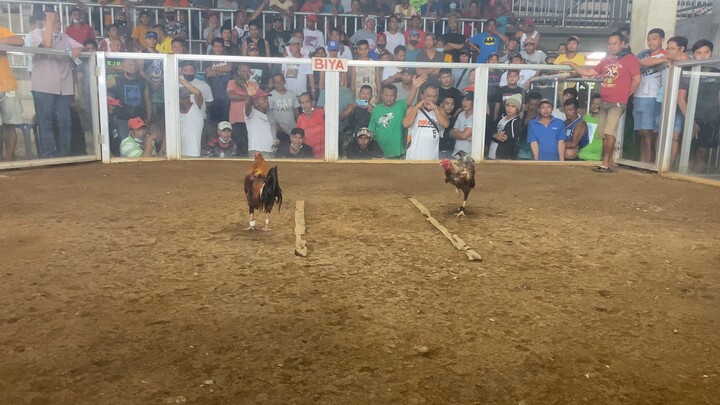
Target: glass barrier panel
x,y
48,108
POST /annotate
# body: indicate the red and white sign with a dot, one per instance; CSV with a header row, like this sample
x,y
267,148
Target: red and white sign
x,y
329,65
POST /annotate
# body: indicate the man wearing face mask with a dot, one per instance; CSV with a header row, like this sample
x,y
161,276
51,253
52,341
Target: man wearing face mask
x,y
134,95
53,87
139,143
188,72
78,29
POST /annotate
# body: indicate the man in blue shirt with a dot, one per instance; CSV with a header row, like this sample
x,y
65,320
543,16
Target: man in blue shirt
x,y
546,135
487,42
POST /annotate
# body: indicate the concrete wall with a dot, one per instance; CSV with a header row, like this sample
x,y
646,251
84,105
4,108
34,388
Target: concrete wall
x,y
702,27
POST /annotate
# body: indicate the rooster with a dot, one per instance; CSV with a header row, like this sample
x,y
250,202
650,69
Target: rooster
x,y
262,190
462,176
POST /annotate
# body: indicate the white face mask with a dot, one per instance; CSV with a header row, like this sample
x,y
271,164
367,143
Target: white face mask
x,y
440,49
77,21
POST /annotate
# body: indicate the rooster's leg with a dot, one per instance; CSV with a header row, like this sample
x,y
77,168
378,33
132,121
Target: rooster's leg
x,y
461,210
267,222
252,223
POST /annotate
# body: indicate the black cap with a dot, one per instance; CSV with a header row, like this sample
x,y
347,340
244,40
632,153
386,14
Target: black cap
x,y
465,51
408,70
277,17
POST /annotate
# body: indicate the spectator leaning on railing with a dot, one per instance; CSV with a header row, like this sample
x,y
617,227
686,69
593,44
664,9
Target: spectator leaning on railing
x,y
10,112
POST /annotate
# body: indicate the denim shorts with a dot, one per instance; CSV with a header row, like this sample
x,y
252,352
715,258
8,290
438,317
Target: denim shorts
x,y
679,119
644,112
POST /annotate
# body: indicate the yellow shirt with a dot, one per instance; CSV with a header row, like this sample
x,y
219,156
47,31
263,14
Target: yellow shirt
x,y
7,79
165,46
579,59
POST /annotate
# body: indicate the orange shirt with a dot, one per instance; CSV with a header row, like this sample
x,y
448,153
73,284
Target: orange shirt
x,y
176,3
7,79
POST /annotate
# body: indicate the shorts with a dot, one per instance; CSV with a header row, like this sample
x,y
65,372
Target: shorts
x,y
677,125
644,113
609,118
10,110
708,135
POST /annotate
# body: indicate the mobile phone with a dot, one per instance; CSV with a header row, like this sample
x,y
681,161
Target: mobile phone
x,y
362,103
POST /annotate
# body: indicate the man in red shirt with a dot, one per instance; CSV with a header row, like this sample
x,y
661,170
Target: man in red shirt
x,y
312,121
620,72
78,29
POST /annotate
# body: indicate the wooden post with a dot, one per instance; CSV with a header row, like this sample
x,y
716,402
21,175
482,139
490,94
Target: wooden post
x,y
300,244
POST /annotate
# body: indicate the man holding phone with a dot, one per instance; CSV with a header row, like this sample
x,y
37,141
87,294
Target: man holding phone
x,y
357,114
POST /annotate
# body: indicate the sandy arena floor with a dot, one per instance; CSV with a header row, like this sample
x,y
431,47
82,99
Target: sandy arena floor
x,y
136,284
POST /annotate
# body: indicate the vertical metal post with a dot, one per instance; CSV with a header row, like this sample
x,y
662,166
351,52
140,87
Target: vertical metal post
x,y
172,112
332,114
689,120
104,116
95,105
477,147
667,125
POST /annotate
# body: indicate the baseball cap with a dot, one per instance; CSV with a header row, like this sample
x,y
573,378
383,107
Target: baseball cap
x,y
277,17
260,93
363,132
381,35
151,34
546,101
469,95
294,41
135,123
515,100
408,70
414,33
312,17
223,125
514,55
466,51
333,46
144,12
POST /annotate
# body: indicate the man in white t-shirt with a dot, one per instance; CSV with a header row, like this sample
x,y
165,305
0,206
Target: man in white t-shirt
x,y
191,119
283,107
425,122
462,131
645,106
313,38
297,76
261,131
525,74
188,72
393,35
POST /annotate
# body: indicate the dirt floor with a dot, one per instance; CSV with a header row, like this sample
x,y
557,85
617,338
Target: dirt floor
x,y
136,284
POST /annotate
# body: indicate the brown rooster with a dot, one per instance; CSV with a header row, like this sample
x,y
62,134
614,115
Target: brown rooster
x,y
262,190
462,176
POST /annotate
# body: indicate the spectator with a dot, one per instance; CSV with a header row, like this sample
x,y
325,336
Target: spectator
x,y
488,42
333,7
189,73
494,76
461,76
576,130
432,8
571,54
312,121
364,75
499,10
227,4
241,30
53,97
406,84
237,94
261,131
78,29
472,11
221,146
504,92
447,90
138,143
133,93
164,41
527,30
10,110
104,44
357,114
363,146
36,22
124,31
213,30
191,119
705,127
386,119
277,37
177,46
512,47
652,62
297,76
391,74
176,3
412,51
405,9
380,47
230,47
568,94
676,47
593,151
504,143
620,71
415,26
140,31
254,39
562,48
525,74
343,49
313,37
283,108
453,39
394,37
431,55
90,46
259,72
532,55
550,58
447,142
532,112
365,34
353,24
173,27
462,130
546,135
218,75
425,122
286,8
297,149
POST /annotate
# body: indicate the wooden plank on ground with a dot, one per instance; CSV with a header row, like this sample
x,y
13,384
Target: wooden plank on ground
x,y
454,239
300,244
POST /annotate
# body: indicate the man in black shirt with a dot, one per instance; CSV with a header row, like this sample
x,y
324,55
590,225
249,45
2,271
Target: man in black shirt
x,y
453,39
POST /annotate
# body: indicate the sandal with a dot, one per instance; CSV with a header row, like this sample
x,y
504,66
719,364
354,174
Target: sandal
x,y
602,169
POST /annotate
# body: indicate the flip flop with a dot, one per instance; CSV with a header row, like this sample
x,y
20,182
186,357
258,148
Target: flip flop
x,y
602,169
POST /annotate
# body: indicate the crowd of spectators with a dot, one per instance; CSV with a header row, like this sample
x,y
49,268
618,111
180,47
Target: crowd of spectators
x,y
230,109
